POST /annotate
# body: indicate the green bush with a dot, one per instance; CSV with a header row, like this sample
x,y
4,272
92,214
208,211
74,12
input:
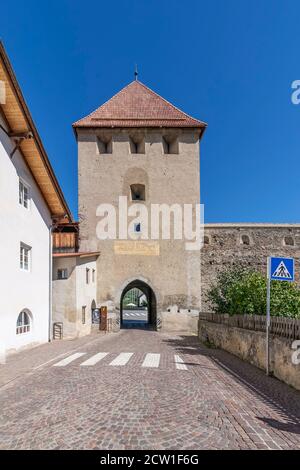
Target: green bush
x,y
240,291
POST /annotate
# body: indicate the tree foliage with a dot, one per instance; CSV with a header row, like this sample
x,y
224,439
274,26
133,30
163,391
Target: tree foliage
x,y
242,291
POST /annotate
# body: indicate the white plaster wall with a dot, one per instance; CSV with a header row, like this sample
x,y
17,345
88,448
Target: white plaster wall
x,y
85,293
64,296
20,289
70,295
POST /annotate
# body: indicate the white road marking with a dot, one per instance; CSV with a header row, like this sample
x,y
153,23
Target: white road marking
x,y
121,359
51,360
138,315
94,359
67,360
179,363
151,360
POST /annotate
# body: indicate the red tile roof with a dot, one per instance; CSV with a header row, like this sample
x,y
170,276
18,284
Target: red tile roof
x,y
138,106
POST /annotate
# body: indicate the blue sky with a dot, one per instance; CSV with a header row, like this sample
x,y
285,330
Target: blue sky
x,y
229,63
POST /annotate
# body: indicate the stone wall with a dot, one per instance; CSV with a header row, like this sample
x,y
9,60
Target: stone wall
x,y
164,265
248,245
251,347
180,320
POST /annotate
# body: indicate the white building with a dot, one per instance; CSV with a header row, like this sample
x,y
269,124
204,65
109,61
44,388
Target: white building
x,y
30,201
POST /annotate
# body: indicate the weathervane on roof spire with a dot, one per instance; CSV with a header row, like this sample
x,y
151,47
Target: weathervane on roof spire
x,y
135,72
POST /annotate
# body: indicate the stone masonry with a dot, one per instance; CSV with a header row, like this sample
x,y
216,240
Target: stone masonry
x,y
246,245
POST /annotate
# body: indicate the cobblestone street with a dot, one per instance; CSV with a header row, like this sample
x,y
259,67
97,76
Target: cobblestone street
x,y
140,389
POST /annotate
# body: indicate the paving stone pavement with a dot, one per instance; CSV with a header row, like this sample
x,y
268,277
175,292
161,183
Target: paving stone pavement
x,y
215,402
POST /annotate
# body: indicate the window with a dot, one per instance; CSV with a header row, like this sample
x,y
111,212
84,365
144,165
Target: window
x,y
25,255
104,145
206,240
93,275
289,241
23,323
62,273
23,194
87,275
137,192
170,145
245,240
137,145
83,315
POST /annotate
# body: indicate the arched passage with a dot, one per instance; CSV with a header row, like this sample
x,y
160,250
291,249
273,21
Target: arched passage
x,y
138,306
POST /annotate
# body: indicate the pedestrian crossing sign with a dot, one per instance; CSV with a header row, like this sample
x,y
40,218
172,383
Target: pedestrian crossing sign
x,y
281,269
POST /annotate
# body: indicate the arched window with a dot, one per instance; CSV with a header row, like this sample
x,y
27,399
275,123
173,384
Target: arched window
x,y
23,323
245,240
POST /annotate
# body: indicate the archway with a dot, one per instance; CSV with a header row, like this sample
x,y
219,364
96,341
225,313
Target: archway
x,y
138,306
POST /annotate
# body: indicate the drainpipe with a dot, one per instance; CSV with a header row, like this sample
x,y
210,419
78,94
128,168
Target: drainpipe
x,y
50,281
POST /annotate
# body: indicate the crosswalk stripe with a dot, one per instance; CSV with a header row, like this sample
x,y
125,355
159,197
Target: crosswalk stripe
x,y
94,359
68,359
151,360
179,363
121,359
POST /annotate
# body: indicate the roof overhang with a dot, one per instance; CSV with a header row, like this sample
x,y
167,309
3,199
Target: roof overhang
x,y
22,130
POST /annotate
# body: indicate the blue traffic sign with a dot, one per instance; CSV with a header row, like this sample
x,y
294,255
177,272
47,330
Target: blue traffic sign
x,y
281,269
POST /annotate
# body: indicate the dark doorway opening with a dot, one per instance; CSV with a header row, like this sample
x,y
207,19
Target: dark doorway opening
x,y
138,306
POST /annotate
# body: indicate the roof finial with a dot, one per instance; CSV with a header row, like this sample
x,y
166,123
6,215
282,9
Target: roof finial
x,y
135,72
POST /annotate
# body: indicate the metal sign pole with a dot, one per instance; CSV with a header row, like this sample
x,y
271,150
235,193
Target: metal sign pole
x,y
268,319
